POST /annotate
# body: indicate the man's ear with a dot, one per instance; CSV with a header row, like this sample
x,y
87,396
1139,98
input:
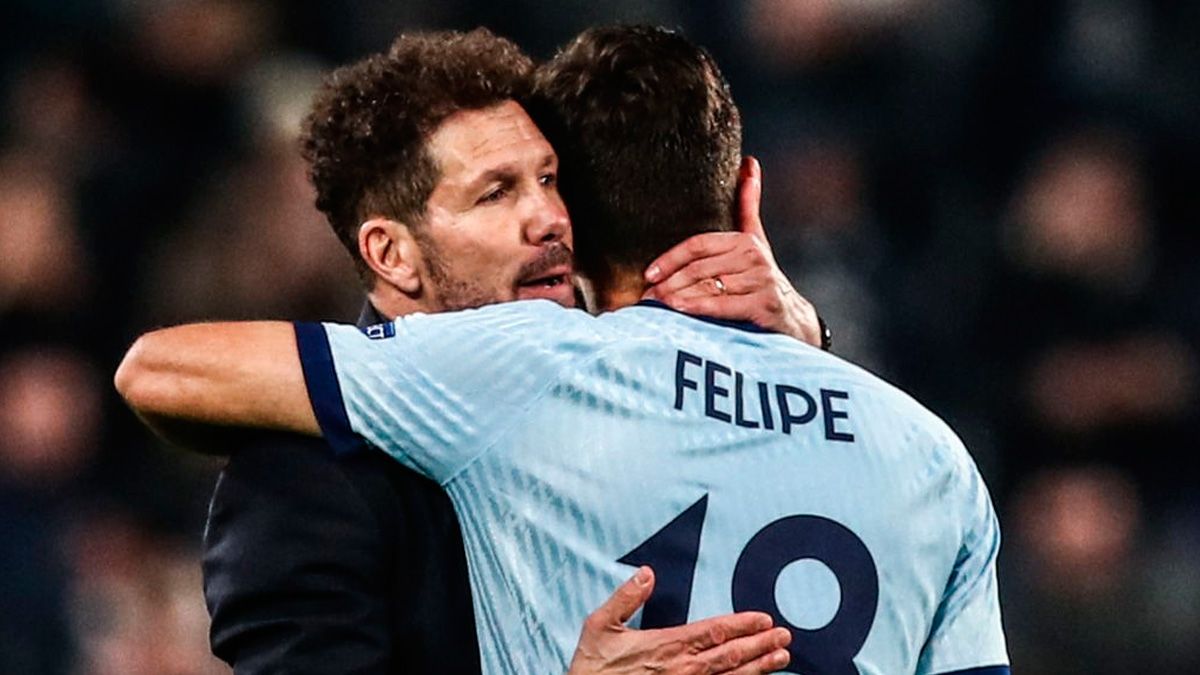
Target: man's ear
x,y
392,253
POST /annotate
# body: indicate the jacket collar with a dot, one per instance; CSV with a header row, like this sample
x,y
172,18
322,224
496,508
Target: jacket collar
x,y
370,316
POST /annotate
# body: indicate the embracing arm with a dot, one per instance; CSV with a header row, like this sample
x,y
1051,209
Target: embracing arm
x,y
228,374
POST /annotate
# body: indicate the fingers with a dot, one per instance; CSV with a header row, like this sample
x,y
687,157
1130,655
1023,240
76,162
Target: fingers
x,y
768,663
691,249
709,633
740,643
751,654
626,600
746,256
749,198
773,662
735,284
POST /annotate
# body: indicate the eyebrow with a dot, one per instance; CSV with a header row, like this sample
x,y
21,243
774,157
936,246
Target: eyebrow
x,y
507,172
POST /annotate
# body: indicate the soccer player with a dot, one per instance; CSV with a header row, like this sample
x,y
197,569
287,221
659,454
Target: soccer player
x,y
749,470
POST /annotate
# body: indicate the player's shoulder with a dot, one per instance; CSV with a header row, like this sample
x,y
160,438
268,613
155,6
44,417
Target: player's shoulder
x,y
530,329
924,427
517,317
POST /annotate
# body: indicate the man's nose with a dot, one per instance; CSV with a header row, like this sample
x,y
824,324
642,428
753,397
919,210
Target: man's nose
x,y
547,221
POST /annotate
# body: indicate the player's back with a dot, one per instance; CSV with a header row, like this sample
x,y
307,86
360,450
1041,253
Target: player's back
x,y
749,470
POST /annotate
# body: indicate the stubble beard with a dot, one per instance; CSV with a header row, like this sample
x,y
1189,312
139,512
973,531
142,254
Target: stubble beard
x,y
455,292
452,291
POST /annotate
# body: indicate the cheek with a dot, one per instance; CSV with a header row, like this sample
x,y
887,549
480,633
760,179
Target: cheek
x,y
481,255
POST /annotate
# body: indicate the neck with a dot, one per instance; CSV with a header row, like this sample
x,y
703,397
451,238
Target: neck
x,y
621,289
392,303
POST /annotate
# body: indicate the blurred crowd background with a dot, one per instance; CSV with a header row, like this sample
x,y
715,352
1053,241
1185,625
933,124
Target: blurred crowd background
x,y
992,202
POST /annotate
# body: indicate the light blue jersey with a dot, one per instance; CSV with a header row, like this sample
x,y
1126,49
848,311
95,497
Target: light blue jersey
x,y
749,470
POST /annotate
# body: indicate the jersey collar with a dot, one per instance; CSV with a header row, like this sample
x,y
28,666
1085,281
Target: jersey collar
x,y
737,325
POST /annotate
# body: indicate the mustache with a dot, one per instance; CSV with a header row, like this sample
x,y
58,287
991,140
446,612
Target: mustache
x,y
552,256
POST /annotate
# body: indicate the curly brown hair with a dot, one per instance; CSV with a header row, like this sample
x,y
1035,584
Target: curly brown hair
x,y
648,138
365,137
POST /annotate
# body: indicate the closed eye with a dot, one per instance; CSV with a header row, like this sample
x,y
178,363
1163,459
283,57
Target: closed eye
x,y
492,196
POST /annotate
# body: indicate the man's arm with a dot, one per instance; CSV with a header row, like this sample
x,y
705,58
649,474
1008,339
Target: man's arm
x,y
403,393
229,374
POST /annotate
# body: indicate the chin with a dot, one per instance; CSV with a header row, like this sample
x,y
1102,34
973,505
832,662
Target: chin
x,y
459,303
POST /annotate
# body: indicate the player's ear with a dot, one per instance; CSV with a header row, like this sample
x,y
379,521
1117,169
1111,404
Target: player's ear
x,y
390,250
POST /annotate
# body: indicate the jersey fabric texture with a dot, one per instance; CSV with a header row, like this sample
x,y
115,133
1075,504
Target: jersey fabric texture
x,y
750,470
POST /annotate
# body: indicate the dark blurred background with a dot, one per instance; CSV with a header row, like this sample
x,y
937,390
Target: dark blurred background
x,y
992,202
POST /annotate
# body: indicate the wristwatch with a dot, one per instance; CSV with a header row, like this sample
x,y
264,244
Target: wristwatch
x,y
826,334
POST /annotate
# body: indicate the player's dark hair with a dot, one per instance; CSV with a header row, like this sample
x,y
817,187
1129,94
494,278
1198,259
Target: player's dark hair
x,y
366,135
649,141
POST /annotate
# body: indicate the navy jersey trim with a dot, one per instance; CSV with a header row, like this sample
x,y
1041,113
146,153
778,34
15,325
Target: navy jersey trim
x,y
986,670
320,377
737,325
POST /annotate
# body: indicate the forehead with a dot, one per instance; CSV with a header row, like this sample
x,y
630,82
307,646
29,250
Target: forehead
x,y
474,140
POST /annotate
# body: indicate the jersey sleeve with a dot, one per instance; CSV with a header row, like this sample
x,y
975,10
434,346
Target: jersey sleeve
x,y
434,391
967,637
